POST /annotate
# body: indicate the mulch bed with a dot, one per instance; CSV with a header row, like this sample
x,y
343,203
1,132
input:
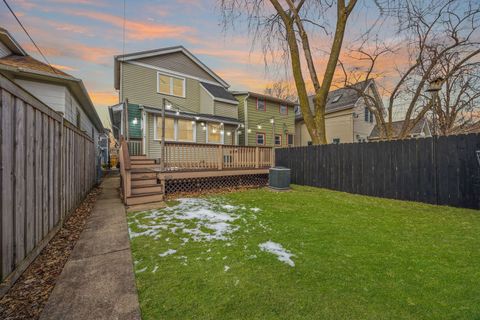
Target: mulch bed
x,y
28,296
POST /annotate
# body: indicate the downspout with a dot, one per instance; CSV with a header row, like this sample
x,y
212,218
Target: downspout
x,y
245,108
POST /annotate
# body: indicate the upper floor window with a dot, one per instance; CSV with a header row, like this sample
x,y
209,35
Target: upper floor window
x,y
261,104
366,114
336,140
170,85
371,117
283,110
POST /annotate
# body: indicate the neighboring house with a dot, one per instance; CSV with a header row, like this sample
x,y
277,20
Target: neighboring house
x,y
421,130
57,89
347,118
267,121
198,106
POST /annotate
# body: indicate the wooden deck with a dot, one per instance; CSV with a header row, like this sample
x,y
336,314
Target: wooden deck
x,y
188,166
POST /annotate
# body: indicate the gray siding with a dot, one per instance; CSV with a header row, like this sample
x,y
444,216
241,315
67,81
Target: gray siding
x,y
50,94
178,62
139,86
206,102
225,109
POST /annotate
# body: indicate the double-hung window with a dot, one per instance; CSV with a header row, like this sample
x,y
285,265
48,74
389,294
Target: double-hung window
x,y
260,138
278,139
366,114
173,86
283,110
261,105
290,139
169,129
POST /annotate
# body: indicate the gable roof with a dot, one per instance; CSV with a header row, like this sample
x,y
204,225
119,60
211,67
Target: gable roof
x,y
340,99
26,66
159,52
397,127
11,43
219,93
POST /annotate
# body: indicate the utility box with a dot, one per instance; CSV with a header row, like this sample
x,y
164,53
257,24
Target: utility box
x,y
279,178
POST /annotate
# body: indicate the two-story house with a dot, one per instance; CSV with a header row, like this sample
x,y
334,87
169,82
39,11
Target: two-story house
x,y
267,121
198,106
347,118
60,91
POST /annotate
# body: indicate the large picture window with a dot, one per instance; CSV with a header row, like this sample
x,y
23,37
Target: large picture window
x,y
185,130
170,85
169,129
214,133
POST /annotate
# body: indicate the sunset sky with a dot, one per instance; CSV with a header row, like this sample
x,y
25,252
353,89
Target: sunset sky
x,y
81,37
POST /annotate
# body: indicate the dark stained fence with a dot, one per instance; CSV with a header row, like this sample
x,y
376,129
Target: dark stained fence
x,y
440,170
47,166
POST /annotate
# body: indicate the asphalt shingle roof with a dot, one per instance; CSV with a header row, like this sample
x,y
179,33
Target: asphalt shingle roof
x,y
397,127
218,91
339,99
27,62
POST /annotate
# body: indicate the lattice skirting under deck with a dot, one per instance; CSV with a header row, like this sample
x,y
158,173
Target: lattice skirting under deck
x,y
211,183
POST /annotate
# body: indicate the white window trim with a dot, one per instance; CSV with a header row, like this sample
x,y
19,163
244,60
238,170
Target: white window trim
x,y
175,131
171,84
264,135
222,136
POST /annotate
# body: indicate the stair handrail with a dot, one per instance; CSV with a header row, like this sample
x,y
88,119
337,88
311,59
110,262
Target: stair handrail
x,y
125,167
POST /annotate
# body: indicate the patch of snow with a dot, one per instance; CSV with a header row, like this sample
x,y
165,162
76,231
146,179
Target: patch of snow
x,y
226,268
255,209
167,253
155,269
141,270
236,282
277,249
224,258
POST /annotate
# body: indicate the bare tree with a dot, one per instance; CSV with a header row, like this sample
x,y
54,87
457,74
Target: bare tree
x,y
284,24
443,42
282,90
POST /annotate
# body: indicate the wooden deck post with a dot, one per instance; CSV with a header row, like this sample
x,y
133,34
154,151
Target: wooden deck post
x,y
220,157
257,157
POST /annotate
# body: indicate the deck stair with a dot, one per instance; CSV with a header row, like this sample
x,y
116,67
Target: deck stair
x,y
144,186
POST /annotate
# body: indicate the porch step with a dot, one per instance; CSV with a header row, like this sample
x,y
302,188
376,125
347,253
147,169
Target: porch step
x,y
143,182
142,161
140,157
144,175
144,166
144,198
152,188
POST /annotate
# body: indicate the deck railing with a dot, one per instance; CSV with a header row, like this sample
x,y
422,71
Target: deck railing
x,y
191,156
125,167
134,147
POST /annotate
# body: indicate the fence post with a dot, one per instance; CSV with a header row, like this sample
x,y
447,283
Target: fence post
x,y
257,157
220,157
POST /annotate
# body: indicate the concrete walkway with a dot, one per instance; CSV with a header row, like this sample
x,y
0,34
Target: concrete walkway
x,y
97,281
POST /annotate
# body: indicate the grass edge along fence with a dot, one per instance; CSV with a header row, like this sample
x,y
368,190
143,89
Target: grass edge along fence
x,y
47,167
438,170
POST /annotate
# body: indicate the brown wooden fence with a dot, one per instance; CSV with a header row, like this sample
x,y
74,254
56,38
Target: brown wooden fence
x,y
440,170
47,166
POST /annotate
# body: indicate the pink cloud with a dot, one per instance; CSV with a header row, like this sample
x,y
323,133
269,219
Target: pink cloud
x,y
64,68
139,31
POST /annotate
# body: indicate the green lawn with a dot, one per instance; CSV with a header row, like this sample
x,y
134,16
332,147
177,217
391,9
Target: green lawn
x,y
354,257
